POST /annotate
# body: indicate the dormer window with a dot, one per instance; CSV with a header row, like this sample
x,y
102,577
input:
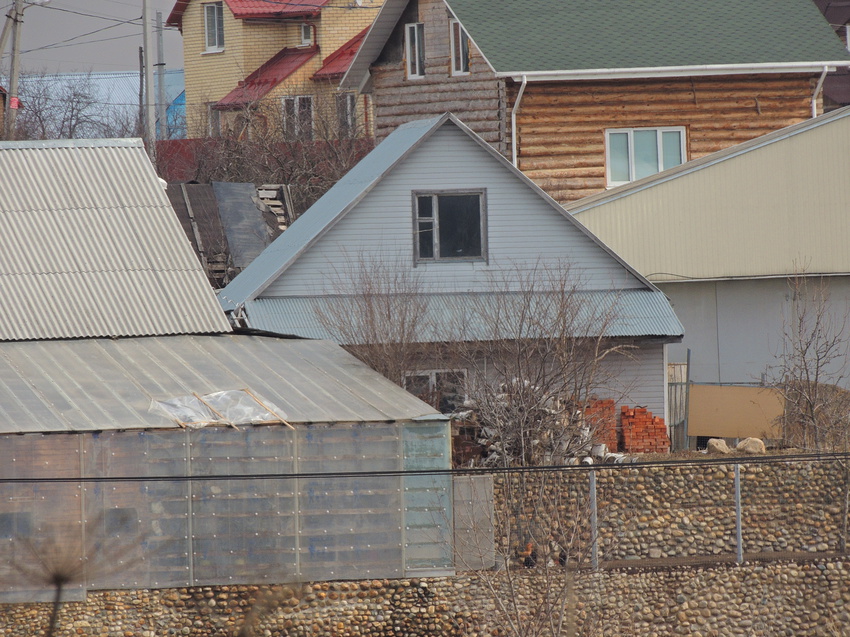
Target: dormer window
x,y
306,34
214,26
449,225
414,47
460,49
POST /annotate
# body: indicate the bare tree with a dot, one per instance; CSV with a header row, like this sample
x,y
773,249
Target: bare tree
x,y
811,370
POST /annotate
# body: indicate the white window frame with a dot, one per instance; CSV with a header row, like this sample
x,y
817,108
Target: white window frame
x,y
306,34
419,224
213,27
414,50
630,133
432,379
460,48
346,107
296,131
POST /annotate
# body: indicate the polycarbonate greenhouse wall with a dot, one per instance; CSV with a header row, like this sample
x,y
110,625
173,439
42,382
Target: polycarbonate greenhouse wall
x,y
141,522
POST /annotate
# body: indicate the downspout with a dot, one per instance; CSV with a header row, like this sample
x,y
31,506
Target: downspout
x,y
817,92
513,122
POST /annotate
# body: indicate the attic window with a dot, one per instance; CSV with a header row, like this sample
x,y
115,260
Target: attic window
x,y
414,47
214,26
449,225
635,153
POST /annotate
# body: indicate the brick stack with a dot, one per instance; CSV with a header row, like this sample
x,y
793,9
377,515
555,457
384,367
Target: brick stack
x,y
601,416
642,432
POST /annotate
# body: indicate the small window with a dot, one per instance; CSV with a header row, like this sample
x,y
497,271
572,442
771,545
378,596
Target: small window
x,y
443,389
298,117
214,26
460,49
306,34
449,226
213,120
634,153
15,525
415,49
346,108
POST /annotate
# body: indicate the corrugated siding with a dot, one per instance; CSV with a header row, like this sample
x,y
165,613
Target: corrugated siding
x,y
90,246
768,210
104,384
524,232
631,313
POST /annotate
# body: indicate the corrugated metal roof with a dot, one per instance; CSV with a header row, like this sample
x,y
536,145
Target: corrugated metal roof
x,y
89,246
104,384
768,207
454,317
271,73
256,9
337,63
554,35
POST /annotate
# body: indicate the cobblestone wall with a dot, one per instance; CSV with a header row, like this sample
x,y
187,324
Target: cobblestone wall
x,y
752,599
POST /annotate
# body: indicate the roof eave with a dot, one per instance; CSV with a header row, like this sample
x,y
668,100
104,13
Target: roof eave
x,y
673,71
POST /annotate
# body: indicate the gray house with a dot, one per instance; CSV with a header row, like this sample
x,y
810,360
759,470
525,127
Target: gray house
x,y
721,235
145,444
437,211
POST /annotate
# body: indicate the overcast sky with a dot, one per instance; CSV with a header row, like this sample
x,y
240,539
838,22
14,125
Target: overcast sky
x,y
89,35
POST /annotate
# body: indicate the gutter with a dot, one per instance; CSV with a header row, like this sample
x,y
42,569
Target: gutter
x,y
514,110
673,71
817,91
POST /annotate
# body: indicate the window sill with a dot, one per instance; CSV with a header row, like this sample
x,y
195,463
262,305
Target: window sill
x,y
212,51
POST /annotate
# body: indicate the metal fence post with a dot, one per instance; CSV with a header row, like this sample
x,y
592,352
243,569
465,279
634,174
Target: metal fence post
x,y
739,535
594,531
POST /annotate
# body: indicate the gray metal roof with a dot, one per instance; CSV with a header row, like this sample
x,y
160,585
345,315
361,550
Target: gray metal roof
x,y
454,317
643,36
765,208
89,246
105,384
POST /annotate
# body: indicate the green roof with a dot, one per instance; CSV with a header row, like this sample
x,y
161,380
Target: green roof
x,y
568,35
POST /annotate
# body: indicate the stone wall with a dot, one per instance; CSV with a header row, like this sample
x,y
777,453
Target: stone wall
x,y
778,598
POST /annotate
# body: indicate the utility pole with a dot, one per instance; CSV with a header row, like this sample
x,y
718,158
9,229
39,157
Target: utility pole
x,y
16,18
150,119
162,107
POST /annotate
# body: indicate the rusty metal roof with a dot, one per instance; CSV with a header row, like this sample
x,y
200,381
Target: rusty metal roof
x,y
90,246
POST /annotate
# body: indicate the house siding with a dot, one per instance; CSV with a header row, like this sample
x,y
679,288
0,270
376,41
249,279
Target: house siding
x,y
523,232
637,378
562,126
478,97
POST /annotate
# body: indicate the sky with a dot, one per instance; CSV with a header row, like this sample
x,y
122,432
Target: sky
x,y
89,35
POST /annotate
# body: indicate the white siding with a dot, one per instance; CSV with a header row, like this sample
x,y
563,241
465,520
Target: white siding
x,y
522,228
637,379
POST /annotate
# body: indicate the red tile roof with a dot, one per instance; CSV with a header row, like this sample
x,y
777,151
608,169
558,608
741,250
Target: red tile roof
x,y
270,74
243,9
337,63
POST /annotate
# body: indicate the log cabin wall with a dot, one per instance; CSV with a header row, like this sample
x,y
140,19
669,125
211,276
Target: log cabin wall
x,y
562,125
477,98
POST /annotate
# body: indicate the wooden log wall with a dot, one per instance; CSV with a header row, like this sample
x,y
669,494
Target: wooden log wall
x,y
562,125
477,98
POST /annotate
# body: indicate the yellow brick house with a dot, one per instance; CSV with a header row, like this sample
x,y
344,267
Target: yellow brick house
x,y
253,64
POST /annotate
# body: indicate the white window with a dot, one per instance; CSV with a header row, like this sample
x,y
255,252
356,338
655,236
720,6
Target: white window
x,y
449,225
213,120
306,34
414,47
634,153
214,26
346,109
443,389
298,116
460,49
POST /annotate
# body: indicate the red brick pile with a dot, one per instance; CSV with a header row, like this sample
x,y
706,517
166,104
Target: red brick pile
x,y
601,416
642,432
